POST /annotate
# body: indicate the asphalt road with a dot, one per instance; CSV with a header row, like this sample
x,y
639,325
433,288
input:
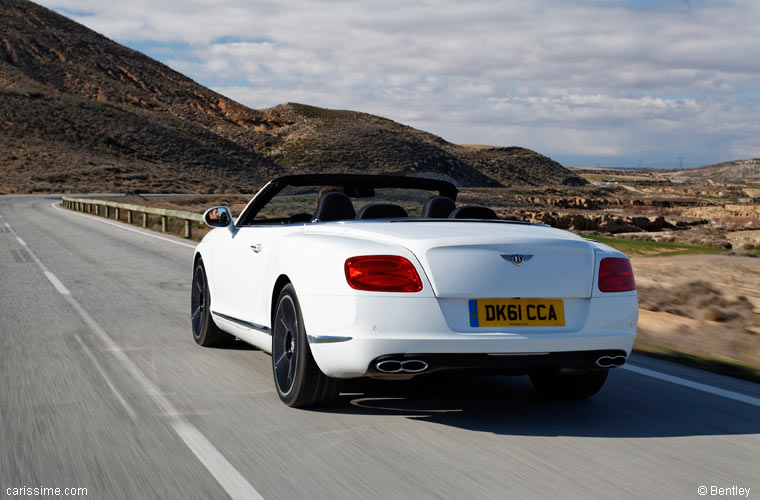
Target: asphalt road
x,y
103,387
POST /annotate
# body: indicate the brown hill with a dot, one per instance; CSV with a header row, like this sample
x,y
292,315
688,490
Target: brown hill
x,y
79,112
730,172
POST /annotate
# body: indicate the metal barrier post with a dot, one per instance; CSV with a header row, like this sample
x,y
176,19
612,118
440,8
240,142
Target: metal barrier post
x,y
94,207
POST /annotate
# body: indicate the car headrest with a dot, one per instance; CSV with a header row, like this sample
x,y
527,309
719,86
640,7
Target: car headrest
x,y
334,206
381,211
438,207
473,212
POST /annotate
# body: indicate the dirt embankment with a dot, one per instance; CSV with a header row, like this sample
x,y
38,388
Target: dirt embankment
x,y
704,304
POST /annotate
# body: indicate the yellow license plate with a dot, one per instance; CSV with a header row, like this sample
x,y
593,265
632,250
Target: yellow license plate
x,y
517,312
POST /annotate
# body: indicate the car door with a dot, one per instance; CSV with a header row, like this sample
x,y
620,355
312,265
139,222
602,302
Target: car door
x,y
238,262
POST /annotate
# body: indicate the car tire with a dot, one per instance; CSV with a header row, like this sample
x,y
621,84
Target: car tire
x,y
205,331
298,380
569,385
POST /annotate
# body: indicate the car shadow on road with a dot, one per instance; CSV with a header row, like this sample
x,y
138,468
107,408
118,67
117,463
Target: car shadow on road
x,y
628,406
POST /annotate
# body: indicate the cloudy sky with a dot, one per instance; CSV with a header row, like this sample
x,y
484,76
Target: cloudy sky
x,y
615,83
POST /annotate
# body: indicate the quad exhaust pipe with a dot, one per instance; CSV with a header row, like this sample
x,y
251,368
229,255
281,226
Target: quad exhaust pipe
x,y
406,366
610,361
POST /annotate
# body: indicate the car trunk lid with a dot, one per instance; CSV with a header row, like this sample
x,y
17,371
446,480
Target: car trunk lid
x,y
493,259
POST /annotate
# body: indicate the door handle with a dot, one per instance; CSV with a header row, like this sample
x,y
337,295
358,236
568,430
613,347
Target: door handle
x,y
256,248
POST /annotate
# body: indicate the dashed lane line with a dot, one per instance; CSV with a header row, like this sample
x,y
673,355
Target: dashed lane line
x,y
228,477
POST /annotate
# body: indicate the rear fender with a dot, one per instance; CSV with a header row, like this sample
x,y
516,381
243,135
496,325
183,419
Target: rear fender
x,y
314,264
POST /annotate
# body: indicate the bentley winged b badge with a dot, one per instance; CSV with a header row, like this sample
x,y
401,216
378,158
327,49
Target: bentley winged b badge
x,y
517,258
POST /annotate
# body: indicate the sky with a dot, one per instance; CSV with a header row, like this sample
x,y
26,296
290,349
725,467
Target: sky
x,y
610,83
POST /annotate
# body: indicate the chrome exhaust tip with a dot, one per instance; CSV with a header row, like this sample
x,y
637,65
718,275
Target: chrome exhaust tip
x,y
414,366
407,366
389,366
619,360
610,361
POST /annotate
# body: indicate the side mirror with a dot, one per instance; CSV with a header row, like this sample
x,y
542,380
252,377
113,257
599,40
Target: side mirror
x,y
218,217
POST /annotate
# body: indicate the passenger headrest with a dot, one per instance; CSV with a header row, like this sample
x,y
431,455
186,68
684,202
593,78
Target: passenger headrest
x,y
381,211
438,207
473,212
334,206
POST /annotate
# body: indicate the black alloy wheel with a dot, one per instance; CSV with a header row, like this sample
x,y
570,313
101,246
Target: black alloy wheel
x,y
298,380
198,301
205,331
285,345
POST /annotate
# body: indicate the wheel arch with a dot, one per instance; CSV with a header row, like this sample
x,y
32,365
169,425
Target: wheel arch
x,y
279,284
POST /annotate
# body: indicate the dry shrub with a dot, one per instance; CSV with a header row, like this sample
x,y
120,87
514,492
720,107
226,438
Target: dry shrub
x,y
695,299
716,314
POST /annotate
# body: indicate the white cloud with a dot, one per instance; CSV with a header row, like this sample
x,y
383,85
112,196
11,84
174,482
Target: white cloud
x,y
741,149
584,78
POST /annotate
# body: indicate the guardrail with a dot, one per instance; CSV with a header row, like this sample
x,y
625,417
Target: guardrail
x,y
98,207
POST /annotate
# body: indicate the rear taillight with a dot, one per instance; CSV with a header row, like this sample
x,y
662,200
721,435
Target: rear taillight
x,y
382,273
616,275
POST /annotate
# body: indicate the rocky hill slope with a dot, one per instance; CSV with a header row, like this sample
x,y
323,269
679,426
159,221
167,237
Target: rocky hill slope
x,y
730,172
79,112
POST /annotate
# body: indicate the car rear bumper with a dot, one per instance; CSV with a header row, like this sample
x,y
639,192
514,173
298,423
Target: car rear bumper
x,y
386,327
404,364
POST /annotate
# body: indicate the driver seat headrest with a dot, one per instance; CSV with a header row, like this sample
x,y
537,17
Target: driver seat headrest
x,y
334,206
381,211
438,207
473,212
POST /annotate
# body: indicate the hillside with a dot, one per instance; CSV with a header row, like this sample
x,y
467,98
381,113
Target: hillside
x,y
79,112
730,172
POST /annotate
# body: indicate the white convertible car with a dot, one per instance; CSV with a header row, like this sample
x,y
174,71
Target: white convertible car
x,y
346,276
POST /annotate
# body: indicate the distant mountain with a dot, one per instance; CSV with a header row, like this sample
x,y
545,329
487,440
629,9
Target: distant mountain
x,y
79,112
730,172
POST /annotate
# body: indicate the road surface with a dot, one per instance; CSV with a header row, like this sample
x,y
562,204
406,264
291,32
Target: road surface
x,y
104,388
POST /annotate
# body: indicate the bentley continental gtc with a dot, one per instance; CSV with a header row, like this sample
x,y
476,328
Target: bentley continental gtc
x,y
348,276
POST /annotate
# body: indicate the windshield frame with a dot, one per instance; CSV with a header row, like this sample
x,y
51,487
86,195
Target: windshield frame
x,y
273,187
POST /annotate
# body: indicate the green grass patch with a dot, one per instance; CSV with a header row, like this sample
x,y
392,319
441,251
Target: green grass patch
x,y
653,248
617,178
715,364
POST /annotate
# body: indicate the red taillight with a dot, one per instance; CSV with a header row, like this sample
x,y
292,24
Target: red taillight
x,y
616,275
382,273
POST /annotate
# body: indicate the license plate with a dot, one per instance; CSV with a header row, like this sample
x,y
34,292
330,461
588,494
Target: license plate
x,y
517,312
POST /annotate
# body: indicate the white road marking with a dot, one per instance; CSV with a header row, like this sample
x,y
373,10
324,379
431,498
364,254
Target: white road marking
x,y
236,486
231,480
21,242
122,225
736,396
57,283
107,379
